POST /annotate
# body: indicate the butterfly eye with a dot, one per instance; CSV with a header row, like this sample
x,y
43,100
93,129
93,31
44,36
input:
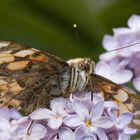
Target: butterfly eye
x,y
81,66
87,65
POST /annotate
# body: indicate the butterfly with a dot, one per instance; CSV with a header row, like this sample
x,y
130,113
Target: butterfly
x,y
30,78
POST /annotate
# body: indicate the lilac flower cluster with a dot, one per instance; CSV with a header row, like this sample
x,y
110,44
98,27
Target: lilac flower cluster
x,y
122,65
71,119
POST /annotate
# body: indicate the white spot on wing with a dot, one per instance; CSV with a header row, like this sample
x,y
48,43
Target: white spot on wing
x,y
24,53
3,44
34,49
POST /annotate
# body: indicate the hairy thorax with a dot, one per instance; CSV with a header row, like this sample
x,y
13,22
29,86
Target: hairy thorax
x,y
81,68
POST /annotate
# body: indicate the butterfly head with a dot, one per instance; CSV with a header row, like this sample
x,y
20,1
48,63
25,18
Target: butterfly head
x,y
82,64
81,70
86,64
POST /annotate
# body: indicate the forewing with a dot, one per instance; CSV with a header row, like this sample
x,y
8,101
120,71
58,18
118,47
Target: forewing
x,y
126,100
10,52
26,74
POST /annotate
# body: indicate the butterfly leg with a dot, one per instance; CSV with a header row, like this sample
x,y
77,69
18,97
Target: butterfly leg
x,y
87,78
29,127
90,84
74,79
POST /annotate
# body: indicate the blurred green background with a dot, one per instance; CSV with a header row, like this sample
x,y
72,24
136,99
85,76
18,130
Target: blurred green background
x,y
48,24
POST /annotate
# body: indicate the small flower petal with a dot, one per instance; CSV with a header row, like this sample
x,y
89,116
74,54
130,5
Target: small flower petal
x,y
108,56
73,121
66,133
124,119
134,22
119,31
109,42
101,134
58,104
5,113
89,137
55,123
38,131
5,124
80,109
40,114
124,137
80,132
122,76
129,131
14,114
103,122
5,135
97,111
103,69
136,83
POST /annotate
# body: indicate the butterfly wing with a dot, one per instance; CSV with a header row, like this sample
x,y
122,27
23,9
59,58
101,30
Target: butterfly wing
x,y
126,100
26,75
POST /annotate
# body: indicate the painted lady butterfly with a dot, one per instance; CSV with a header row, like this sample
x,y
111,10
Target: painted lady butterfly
x,y
29,79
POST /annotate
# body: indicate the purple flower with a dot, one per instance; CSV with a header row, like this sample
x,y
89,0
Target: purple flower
x,y
7,126
121,129
83,134
121,66
15,127
66,133
9,114
55,116
123,120
89,121
5,129
36,132
114,70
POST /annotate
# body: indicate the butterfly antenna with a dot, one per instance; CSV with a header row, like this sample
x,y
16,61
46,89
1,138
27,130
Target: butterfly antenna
x,y
124,47
127,46
75,27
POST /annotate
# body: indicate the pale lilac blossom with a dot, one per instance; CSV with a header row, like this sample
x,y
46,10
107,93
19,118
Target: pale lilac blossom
x,y
122,65
36,132
114,70
55,116
89,120
15,127
66,133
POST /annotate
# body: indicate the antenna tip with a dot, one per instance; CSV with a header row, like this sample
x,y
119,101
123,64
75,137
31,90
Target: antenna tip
x,y
75,26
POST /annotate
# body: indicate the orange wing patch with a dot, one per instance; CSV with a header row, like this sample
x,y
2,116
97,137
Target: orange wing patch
x,y
120,95
17,65
38,57
14,87
3,86
6,57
